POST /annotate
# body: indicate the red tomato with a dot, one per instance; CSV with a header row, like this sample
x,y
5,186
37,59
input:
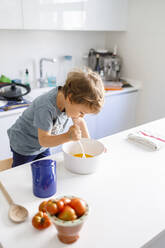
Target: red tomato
x,y
42,206
41,221
60,205
52,207
67,214
78,205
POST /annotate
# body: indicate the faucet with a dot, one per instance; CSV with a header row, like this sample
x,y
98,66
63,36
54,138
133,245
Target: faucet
x,y
41,79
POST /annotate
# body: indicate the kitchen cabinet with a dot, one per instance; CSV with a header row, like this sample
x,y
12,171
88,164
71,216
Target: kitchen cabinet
x,y
53,14
106,15
6,122
11,14
117,114
75,15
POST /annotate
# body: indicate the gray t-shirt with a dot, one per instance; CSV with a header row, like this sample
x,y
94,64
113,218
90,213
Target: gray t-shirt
x,y
43,113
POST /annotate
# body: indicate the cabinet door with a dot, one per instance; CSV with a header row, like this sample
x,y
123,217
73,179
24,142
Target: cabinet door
x,y
91,120
53,14
106,15
118,113
11,14
6,122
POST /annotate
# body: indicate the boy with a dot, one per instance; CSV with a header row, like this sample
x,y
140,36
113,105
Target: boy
x,y
42,123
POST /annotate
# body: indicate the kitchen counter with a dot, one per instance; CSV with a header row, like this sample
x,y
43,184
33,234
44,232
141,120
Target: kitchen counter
x,y
39,91
126,196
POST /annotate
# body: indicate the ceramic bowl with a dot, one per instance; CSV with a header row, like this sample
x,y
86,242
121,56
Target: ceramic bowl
x,y
68,231
83,165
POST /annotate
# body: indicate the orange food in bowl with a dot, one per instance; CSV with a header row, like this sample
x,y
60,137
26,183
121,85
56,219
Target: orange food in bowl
x,y
82,165
79,155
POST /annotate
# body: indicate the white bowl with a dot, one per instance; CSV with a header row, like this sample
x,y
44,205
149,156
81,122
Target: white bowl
x,y
83,165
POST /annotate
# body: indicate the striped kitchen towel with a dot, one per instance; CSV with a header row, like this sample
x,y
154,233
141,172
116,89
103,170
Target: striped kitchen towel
x,y
148,138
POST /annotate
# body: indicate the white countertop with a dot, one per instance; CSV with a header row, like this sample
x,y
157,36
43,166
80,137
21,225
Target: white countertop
x,y
39,91
126,196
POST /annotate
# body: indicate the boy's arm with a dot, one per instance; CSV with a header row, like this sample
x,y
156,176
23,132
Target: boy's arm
x,y
83,126
46,139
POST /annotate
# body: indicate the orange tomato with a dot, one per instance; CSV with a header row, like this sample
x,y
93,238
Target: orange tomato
x,y
78,205
60,205
52,207
41,220
65,200
42,206
67,214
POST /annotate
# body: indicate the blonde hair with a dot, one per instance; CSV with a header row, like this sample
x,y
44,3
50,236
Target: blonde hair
x,y
85,87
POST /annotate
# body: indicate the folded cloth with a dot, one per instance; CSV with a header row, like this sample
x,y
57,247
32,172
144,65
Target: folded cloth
x,y
148,138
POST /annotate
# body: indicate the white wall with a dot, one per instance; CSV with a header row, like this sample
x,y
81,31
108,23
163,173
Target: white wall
x,y
23,49
143,51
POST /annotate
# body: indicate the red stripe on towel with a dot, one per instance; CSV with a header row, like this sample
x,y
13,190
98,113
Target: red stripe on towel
x,y
151,136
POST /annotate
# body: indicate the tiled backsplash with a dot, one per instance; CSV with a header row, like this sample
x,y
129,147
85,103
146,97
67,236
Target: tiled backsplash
x,y
23,49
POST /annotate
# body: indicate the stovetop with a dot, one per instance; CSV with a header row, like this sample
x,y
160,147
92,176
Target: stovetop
x,y
5,103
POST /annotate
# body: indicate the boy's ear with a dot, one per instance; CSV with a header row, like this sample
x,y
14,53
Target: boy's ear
x,y
70,98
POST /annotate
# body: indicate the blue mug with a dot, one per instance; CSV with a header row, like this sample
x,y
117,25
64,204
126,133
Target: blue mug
x,y
44,177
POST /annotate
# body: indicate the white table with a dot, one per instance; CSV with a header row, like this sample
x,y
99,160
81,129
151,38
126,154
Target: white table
x,y
126,195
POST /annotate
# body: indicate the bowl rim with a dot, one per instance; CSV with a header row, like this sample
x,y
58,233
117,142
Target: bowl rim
x,y
72,142
76,222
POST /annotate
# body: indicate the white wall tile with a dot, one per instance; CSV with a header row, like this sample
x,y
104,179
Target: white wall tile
x,y
22,49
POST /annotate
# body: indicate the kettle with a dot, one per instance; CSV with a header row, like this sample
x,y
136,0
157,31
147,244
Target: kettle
x,y
13,91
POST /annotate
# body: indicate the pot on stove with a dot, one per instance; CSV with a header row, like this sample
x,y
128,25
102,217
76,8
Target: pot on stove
x,y
13,91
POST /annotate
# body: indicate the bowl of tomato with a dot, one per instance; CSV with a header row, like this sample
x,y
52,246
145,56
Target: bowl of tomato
x,y
68,214
73,160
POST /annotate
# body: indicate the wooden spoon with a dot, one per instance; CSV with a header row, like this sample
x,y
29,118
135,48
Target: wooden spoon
x,y
16,212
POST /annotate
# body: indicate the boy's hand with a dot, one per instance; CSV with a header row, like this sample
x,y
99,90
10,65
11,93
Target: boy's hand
x,y
74,133
78,121
83,127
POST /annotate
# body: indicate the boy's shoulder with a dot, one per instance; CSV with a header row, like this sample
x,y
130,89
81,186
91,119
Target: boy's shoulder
x,y
49,96
46,101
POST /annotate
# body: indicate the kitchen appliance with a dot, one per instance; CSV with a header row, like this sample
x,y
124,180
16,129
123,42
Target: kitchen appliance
x,y
112,68
106,63
13,91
